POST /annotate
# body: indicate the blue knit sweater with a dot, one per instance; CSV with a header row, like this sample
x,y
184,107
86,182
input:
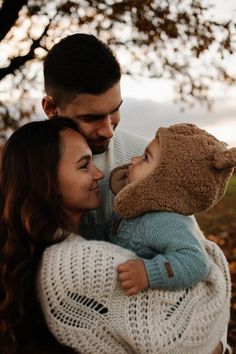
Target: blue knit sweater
x,y
169,246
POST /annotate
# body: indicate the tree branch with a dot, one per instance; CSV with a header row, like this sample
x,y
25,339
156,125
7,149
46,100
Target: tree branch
x,y
9,14
17,62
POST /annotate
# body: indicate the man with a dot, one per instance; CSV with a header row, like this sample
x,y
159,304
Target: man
x,y
82,81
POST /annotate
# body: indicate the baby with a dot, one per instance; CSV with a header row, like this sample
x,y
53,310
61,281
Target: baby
x,y
184,170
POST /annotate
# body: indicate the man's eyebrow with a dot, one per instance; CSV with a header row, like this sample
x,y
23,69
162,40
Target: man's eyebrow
x,y
100,115
84,157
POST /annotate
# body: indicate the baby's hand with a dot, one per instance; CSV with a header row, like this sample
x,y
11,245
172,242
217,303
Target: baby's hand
x,y
133,276
118,178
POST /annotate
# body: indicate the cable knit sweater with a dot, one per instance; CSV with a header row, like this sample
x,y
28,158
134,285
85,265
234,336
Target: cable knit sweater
x,y
123,146
86,309
168,243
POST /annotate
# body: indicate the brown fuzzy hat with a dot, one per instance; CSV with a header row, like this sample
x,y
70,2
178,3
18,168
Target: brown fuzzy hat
x,y
192,174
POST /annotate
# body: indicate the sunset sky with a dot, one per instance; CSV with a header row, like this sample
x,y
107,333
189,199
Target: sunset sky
x,y
148,103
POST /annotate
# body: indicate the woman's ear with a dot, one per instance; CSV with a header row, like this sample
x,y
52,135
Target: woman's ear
x,y
49,106
225,159
118,177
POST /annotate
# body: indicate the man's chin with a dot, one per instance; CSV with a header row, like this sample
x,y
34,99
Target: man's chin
x,y
99,148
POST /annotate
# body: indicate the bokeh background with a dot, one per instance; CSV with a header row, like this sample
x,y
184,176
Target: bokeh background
x,y
179,65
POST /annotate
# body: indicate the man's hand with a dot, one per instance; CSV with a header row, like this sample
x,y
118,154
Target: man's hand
x,y
133,276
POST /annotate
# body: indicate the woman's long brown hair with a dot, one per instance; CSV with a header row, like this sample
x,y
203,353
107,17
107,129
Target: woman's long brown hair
x,y
30,214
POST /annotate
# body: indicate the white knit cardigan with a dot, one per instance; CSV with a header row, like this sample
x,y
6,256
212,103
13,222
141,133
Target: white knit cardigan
x,y
86,309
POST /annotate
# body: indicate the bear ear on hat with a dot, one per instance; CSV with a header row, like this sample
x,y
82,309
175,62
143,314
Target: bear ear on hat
x,y
117,179
225,159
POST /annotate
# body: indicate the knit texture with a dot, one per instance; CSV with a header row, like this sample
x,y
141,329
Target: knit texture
x,y
172,252
123,146
86,309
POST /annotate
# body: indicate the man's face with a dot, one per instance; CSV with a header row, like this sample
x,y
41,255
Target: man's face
x,y
97,116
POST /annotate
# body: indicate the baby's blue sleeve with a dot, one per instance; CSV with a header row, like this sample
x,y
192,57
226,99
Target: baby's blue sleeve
x,y
180,261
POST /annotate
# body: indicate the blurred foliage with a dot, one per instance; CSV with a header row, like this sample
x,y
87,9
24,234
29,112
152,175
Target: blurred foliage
x,y
219,225
232,186
171,39
174,39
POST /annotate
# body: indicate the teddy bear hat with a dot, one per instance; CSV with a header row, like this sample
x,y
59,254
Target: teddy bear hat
x,y
192,174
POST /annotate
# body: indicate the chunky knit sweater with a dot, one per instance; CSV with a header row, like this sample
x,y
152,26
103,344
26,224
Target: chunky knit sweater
x,y
123,146
169,245
86,309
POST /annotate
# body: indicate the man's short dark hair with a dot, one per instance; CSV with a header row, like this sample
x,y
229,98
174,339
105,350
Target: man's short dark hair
x,y
79,63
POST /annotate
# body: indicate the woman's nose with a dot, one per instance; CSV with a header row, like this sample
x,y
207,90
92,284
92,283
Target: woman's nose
x,y
97,173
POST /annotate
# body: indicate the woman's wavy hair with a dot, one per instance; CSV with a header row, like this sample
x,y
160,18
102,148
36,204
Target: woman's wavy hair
x,y
30,214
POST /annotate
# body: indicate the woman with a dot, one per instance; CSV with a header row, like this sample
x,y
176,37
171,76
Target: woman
x,y
47,182
32,209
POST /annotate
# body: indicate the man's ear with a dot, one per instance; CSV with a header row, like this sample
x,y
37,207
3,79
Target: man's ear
x,y
49,106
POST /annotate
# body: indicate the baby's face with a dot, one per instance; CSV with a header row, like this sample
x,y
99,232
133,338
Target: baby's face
x,y
143,166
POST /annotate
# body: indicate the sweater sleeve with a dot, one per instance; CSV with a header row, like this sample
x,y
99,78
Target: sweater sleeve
x,y
76,282
180,261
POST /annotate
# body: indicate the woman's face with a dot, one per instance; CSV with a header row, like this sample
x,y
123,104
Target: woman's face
x,y
78,177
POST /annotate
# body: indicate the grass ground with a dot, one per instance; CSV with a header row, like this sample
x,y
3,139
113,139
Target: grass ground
x,y
219,225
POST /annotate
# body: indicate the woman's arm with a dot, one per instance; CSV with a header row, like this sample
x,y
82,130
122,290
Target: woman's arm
x,y
85,308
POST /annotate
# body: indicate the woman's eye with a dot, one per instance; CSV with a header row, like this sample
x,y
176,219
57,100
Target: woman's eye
x,y
84,167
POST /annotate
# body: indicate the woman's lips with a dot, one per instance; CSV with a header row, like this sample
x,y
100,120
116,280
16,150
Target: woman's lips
x,y
95,189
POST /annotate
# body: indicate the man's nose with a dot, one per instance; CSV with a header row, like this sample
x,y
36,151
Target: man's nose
x,y
107,127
